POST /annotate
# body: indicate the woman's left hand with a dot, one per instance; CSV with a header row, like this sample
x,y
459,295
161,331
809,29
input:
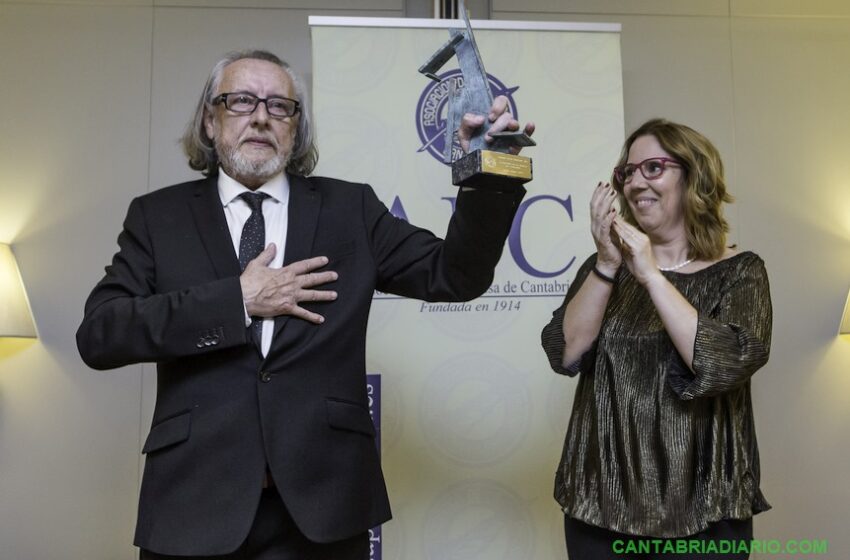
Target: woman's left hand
x,y
637,251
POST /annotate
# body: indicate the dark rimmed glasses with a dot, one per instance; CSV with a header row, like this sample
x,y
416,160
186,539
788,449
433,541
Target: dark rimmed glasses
x,y
246,103
651,168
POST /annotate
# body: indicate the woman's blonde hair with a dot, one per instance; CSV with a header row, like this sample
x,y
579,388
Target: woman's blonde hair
x,y
703,183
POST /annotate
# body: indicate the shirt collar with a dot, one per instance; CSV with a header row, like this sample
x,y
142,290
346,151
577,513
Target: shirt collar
x,y
229,188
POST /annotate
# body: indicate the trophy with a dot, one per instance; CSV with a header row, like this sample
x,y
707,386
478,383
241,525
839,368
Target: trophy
x,y
487,166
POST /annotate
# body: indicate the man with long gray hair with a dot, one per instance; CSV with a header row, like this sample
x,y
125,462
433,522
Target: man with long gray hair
x,y
250,289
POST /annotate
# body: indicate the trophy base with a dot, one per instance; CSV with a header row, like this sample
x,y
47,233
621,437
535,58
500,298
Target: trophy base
x,y
486,169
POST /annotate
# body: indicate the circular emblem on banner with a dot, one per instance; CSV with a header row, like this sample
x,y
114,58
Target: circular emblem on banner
x,y
475,409
479,519
432,109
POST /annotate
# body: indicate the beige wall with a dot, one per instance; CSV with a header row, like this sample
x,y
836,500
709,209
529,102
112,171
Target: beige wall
x,y
94,94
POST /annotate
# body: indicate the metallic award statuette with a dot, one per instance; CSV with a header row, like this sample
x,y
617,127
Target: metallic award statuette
x,y
486,166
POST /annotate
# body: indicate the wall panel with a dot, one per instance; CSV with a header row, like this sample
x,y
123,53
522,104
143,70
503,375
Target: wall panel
x,y
75,111
793,140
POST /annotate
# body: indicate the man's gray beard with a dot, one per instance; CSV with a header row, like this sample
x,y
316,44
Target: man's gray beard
x,y
245,170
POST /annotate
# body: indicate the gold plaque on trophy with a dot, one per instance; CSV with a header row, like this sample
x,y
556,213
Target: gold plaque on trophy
x,y
497,170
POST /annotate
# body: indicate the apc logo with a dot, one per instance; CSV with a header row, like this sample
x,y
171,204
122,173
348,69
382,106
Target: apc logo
x,y
433,105
515,235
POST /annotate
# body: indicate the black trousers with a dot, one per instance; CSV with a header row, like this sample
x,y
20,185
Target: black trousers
x,y
274,536
586,542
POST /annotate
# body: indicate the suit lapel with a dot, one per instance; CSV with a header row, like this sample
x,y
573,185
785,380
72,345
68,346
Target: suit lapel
x,y
212,227
303,217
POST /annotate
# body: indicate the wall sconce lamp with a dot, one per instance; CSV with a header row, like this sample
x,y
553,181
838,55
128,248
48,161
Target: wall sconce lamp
x,y
15,314
844,328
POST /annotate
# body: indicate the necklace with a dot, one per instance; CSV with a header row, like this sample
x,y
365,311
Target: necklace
x,y
675,266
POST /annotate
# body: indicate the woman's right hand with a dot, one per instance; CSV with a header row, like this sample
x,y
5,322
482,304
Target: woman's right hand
x,y
602,213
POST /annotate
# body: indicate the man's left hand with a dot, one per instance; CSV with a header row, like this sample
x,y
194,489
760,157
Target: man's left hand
x,y
500,119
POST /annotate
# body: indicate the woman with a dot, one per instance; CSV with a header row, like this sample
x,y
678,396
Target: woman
x,y
666,325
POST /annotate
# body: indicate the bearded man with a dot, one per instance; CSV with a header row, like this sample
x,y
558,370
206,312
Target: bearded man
x,y
250,289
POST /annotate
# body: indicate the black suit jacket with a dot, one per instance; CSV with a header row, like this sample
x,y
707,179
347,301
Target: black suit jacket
x,y
172,296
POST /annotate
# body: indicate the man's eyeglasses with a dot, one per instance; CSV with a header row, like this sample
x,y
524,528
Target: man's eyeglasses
x,y
246,103
651,168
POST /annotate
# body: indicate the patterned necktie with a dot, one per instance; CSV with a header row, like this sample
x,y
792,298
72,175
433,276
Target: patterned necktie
x,y
251,244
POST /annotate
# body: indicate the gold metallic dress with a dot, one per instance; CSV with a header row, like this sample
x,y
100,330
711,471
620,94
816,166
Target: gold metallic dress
x,y
652,448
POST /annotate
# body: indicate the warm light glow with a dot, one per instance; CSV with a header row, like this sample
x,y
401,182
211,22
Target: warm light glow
x,y
11,346
845,319
15,315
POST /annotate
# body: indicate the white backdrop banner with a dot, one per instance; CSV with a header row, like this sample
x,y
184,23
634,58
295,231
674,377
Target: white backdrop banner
x,y
472,418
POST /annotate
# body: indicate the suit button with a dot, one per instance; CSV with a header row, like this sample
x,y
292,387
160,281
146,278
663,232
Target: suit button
x,y
265,376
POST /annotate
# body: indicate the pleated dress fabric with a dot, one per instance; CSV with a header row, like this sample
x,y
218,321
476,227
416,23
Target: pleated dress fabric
x,y
652,448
